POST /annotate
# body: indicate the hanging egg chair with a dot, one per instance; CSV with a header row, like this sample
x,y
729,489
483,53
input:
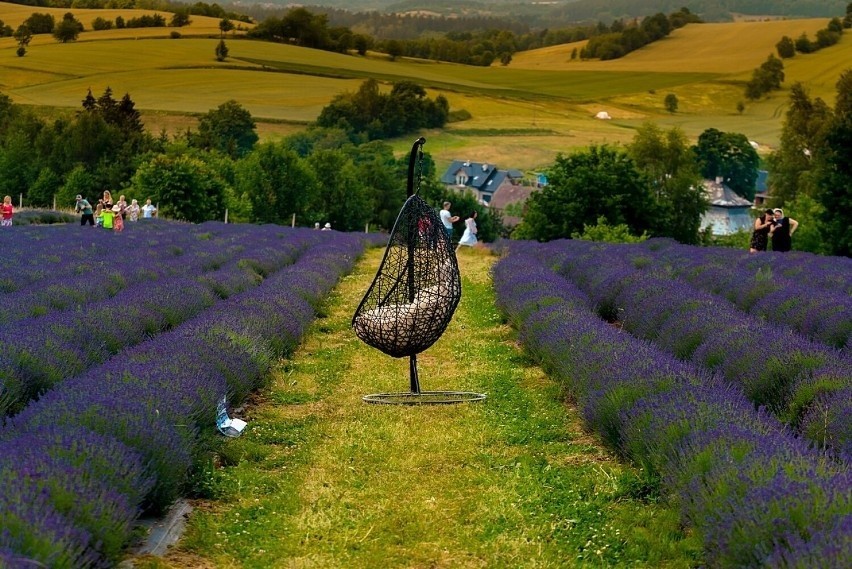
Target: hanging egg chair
x,y
414,293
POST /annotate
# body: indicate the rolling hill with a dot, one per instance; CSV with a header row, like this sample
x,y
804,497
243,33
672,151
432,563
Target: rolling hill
x,y
522,114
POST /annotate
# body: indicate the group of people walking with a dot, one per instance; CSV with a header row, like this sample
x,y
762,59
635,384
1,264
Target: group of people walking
x,y
773,227
469,236
111,215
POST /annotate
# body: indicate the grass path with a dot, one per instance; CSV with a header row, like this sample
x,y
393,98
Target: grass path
x,y
321,479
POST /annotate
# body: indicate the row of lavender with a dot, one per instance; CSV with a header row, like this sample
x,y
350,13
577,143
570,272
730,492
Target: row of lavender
x,y
205,264
756,494
83,461
805,384
808,293
69,268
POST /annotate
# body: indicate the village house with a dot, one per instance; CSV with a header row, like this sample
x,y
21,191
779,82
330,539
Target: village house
x,y
728,212
509,195
481,178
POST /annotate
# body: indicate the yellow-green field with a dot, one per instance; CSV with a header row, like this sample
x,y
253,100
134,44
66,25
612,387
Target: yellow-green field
x,y
14,15
522,114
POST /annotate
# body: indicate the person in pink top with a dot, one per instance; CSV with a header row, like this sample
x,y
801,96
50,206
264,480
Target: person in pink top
x,y
7,212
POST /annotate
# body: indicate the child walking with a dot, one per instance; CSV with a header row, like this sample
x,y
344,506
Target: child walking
x,y
118,221
99,214
7,212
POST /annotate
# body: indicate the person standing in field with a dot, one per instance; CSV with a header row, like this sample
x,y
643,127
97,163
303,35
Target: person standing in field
x,y
448,219
7,211
470,230
133,210
118,221
782,231
83,206
122,204
760,235
108,217
107,200
99,213
148,210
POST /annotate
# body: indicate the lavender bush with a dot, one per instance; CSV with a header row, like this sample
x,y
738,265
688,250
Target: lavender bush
x,y
774,366
754,492
150,406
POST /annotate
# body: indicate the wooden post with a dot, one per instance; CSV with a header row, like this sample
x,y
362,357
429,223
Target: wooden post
x,y
293,223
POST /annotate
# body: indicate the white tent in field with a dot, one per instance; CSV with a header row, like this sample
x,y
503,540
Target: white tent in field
x,y
603,115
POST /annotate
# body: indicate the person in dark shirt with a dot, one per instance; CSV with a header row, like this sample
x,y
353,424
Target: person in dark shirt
x,y
781,232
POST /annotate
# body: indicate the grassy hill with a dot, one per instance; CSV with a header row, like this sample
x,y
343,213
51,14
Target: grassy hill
x,y
15,14
522,114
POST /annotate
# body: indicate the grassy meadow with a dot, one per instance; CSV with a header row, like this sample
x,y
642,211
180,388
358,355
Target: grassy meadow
x,y
321,479
522,114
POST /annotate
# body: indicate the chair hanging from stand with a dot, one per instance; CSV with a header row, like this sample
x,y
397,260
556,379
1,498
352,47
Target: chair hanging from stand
x,y
414,293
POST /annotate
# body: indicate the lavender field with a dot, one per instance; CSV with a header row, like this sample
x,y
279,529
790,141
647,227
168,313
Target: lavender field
x,y
725,376
116,349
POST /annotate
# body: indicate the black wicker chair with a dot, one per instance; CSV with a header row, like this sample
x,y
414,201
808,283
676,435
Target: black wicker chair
x,y
415,292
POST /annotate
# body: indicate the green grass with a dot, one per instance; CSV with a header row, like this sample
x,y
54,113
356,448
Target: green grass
x,y
321,479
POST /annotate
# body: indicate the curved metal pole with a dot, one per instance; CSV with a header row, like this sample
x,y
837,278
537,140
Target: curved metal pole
x,y
416,149
416,154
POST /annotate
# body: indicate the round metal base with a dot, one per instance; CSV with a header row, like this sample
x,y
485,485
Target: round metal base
x,y
424,398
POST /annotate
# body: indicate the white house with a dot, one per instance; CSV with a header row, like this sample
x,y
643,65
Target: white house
x,y
728,212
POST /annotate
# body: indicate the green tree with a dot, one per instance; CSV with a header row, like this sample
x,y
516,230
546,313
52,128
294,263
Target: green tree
x,y
785,47
768,77
810,236
180,18
40,23
225,26
361,43
730,156
101,24
45,187
277,184
804,44
602,181
229,128
77,181
394,48
23,36
18,165
835,172
671,103
185,187
384,177
221,51
68,29
802,138
342,198
669,164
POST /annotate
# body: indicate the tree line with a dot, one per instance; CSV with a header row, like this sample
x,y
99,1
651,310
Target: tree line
x,y
625,38
325,174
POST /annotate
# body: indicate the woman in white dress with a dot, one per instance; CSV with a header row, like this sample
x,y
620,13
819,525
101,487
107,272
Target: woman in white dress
x,y
469,236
